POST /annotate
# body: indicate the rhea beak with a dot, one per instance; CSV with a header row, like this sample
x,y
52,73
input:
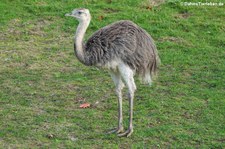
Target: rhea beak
x,y
68,15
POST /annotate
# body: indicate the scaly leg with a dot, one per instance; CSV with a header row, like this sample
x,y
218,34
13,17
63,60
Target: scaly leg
x,y
127,75
119,86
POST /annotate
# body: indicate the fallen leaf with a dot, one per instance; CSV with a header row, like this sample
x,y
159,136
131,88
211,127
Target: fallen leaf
x,y
100,18
50,136
149,7
85,105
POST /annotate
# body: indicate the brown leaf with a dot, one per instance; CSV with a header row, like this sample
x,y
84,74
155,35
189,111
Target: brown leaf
x,y
149,7
50,136
100,18
85,105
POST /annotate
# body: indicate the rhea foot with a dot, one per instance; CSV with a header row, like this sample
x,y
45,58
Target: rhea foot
x,y
116,130
126,133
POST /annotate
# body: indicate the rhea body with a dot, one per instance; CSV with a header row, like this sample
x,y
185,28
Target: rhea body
x,y
123,48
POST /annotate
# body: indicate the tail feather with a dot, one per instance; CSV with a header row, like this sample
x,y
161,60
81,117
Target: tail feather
x,y
146,79
151,74
155,66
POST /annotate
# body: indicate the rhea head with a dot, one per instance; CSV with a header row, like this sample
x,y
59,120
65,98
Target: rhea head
x,y
81,14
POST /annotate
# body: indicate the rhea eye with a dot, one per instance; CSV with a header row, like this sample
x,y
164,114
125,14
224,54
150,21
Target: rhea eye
x,y
79,12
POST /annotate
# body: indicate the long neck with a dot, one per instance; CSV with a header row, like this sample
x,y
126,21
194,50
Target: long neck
x,y
79,36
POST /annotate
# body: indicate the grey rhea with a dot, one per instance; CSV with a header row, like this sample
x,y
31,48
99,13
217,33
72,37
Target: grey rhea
x,y
124,49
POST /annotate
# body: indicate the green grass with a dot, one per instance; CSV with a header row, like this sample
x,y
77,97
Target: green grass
x,y
42,84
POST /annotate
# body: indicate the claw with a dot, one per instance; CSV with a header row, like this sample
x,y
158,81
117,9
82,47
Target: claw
x,y
116,130
126,133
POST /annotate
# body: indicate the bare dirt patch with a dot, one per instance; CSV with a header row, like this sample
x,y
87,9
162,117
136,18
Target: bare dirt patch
x,y
110,10
184,15
171,39
149,4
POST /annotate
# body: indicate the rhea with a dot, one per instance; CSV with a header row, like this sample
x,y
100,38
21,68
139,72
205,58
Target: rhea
x,y
124,49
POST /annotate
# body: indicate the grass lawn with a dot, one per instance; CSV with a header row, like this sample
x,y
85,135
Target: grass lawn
x,y
42,84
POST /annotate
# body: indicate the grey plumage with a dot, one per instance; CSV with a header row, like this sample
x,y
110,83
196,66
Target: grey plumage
x,y
126,41
124,49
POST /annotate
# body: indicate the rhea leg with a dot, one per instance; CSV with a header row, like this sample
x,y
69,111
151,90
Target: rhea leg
x,y
119,86
127,75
